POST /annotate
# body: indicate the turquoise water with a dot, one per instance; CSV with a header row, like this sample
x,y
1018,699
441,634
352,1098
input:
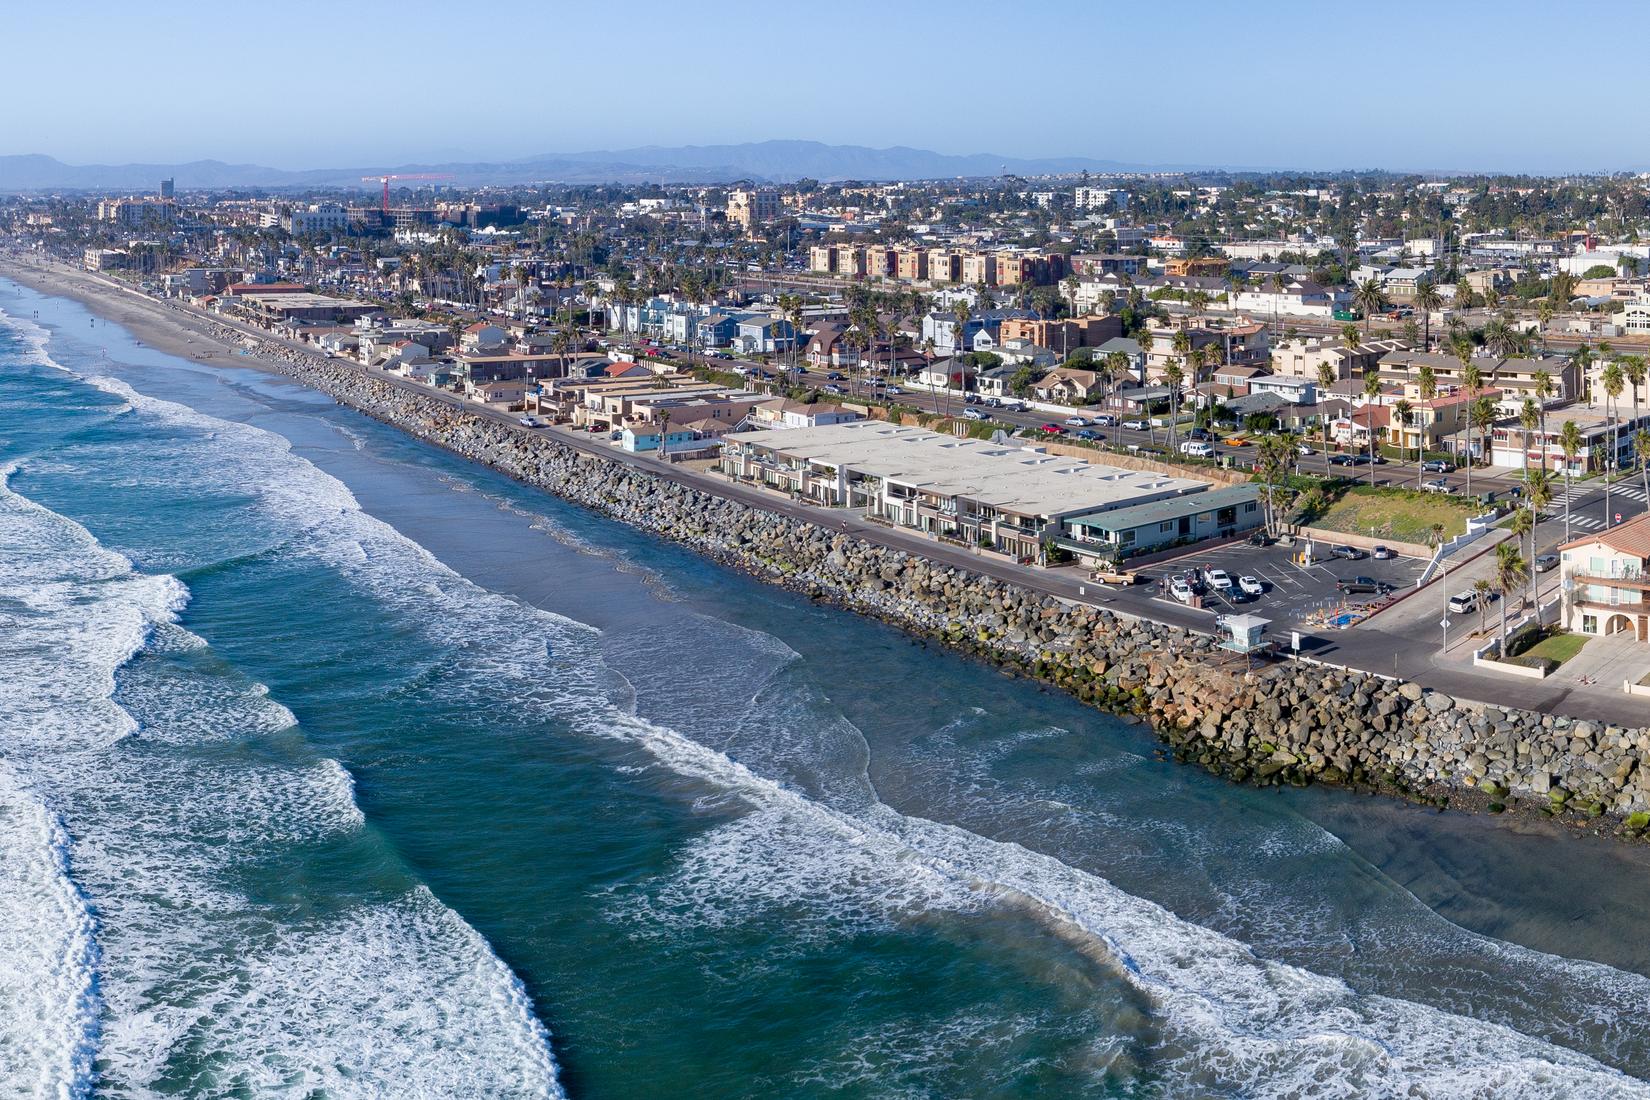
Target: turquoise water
x,y
332,766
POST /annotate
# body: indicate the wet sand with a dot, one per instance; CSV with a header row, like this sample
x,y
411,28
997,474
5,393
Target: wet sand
x,y
176,329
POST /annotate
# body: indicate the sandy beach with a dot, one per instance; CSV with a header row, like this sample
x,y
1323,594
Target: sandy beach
x,y
174,328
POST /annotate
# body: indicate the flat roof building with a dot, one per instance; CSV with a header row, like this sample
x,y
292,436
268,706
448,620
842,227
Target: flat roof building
x,y
1122,532
1003,496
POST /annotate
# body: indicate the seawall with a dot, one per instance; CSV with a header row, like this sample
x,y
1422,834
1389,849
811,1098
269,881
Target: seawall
x,y
1286,723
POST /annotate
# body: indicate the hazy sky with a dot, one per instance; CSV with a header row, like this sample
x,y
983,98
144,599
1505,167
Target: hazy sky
x,y
1445,84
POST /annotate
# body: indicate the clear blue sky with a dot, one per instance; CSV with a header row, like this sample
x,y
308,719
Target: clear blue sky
x,y
1473,85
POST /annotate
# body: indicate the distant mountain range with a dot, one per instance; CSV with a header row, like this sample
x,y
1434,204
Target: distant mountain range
x,y
764,161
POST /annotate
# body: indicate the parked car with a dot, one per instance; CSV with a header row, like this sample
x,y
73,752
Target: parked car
x,y
1105,420
973,414
1437,486
1340,460
1436,466
1350,553
1181,591
1200,433
895,391
1303,450
1087,433
1250,586
1190,579
1136,425
1219,579
1053,429
530,422
834,376
1196,448
1545,563
1384,553
1077,421
1363,585
992,402
832,387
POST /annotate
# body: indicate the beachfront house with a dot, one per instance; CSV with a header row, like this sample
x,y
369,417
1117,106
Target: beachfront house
x,y
1607,581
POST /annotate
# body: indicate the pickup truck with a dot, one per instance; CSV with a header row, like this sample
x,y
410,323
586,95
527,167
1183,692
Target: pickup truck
x,y
1111,576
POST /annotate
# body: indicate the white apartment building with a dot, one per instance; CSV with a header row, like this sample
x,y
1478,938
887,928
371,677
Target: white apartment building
x,y
326,217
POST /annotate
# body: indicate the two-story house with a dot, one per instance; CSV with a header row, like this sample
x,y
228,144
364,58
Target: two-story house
x,y
1607,580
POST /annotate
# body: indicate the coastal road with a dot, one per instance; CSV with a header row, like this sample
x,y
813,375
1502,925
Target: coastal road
x,y
1370,647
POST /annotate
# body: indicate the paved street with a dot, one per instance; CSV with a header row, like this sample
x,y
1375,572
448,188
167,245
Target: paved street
x,y
1397,641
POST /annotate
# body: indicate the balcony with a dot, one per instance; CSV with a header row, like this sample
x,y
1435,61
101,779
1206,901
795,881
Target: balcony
x,y
1637,582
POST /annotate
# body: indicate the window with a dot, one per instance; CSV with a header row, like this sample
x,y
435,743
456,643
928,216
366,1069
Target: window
x,y
1589,624
1249,507
1166,527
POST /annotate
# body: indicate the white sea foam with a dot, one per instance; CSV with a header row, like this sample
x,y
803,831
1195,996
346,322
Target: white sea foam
x,y
48,954
391,998
1231,1021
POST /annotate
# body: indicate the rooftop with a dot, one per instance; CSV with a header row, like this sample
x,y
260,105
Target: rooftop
x,y
1007,477
1164,511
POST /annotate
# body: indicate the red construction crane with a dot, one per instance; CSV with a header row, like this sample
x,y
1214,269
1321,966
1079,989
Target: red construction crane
x,y
385,180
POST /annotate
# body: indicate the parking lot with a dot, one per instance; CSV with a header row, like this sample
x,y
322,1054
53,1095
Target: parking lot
x,y
1296,595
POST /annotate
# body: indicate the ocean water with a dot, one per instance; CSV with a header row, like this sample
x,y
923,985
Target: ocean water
x,y
333,766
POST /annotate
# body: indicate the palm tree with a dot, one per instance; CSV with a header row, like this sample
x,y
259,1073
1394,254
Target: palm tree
x,y
1570,439
1116,369
664,435
1427,387
1194,364
1582,360
960,312
1370,298
1633,366
561,343
1372,390
1523,526
1543,392
1502,339
1473,379
1482,416
1509,573
1173,376
1561,289
1538,491
1528,418
1482,589
1326,382
1401,413
1612,380
1182,343
1427,299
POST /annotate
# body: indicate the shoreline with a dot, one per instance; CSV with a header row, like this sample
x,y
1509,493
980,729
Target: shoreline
x,y
1280,725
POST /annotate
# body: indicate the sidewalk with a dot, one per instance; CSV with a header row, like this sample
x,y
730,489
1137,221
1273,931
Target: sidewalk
x,y
1400,642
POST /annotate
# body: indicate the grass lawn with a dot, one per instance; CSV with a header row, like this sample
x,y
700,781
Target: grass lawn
x,y
1399,514
1558,648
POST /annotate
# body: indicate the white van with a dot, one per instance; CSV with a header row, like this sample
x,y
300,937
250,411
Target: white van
x,y
1196,448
